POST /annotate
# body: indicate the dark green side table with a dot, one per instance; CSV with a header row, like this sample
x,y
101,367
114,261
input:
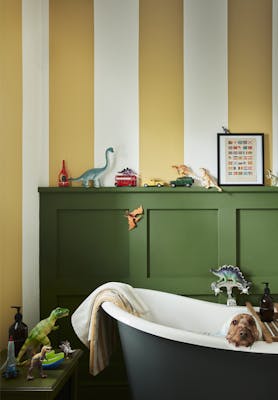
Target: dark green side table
x,y
60,384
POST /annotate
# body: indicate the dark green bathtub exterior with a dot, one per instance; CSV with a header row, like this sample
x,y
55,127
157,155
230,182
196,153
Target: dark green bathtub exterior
x,y
85,242
163,369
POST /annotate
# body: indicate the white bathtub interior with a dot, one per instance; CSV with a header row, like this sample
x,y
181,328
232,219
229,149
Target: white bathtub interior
x,y
185,319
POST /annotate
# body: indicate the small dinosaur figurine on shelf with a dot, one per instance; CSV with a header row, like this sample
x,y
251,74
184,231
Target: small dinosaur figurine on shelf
x,y
274,178
94,174
38,334
183,170
36,361
208,181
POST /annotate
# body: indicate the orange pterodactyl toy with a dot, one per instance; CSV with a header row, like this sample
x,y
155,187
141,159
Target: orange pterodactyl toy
x,y
133,217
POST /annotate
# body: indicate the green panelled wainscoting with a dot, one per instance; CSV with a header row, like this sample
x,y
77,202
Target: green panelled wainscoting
x,y
85,242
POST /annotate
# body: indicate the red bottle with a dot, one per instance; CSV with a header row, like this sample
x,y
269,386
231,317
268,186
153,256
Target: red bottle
x,y
63,176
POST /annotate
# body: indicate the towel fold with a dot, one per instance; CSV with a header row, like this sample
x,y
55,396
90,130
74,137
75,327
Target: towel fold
x,y
95,328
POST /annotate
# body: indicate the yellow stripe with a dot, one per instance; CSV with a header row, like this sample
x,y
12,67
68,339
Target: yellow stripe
x,y
71,86
10,156
160,87
250,69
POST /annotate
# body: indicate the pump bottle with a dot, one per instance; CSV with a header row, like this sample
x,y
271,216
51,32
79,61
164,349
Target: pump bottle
x,y
18,331
266,305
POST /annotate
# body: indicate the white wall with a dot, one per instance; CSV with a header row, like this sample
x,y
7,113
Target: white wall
x,y
205,81
116,113
35,26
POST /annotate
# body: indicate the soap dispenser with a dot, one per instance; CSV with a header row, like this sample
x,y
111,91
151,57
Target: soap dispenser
x,y
18,331
266,305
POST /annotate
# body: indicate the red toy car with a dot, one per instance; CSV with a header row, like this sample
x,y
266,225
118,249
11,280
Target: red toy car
x,y
125,180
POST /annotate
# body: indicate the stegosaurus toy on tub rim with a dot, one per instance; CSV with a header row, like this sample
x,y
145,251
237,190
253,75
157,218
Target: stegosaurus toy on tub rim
x,y
229,277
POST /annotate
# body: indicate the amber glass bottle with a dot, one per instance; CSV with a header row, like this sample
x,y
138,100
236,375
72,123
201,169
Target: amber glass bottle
x,y
266,305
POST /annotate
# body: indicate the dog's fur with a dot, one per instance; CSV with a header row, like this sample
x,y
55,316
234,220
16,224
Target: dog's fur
x,y
243,330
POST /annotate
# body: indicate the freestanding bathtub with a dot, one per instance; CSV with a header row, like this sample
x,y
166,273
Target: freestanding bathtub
x,y
176,352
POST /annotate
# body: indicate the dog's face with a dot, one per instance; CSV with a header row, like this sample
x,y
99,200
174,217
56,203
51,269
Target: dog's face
x,y
243,330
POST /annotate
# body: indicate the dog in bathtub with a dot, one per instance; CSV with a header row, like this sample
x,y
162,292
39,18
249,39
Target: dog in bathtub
x,y
242,330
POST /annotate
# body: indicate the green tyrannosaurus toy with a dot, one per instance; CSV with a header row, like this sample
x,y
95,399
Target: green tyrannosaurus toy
x,y
38,334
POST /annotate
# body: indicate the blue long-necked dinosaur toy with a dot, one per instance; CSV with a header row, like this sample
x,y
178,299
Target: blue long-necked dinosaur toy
x,y
94,174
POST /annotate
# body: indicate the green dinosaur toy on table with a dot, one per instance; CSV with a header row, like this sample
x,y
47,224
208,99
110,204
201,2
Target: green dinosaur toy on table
x,y
38,334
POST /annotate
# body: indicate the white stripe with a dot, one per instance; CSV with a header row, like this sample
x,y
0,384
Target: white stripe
x,y
35,149
116,116
275,85
205,81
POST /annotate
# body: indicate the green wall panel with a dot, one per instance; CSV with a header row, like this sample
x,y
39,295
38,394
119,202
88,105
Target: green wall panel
x,y
257,241
85,242
183,233
92,243
176,238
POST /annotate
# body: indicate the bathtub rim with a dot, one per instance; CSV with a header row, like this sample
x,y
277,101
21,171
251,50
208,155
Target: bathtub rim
x,y
179,335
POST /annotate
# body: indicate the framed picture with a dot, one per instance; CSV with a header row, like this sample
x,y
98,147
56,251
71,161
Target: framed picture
x,y
240,158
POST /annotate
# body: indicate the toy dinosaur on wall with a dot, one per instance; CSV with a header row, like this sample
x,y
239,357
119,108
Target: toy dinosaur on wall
x,y
38,334
134,217
94,174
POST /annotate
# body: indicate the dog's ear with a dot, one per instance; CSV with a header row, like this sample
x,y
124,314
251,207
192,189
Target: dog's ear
x,y
254,327
230,333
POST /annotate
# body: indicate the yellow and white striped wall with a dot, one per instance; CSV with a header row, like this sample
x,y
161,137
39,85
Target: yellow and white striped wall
x,y
155,79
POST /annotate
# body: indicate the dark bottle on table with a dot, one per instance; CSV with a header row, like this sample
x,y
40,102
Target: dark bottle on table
x,y
18,331
266,305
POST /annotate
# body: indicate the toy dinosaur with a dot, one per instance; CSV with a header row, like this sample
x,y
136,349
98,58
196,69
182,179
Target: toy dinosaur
x,y
272,177
183,170
94,173
230,273
226,130
127,171
66,348
36,361
208,181
38,334
134,217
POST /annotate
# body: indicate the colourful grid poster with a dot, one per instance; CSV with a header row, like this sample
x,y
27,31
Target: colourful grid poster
x,y
241,156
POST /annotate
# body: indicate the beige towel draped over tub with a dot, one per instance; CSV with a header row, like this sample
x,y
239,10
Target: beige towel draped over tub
x,y
95,328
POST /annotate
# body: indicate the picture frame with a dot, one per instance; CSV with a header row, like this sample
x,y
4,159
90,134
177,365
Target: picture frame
x,y
240,159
